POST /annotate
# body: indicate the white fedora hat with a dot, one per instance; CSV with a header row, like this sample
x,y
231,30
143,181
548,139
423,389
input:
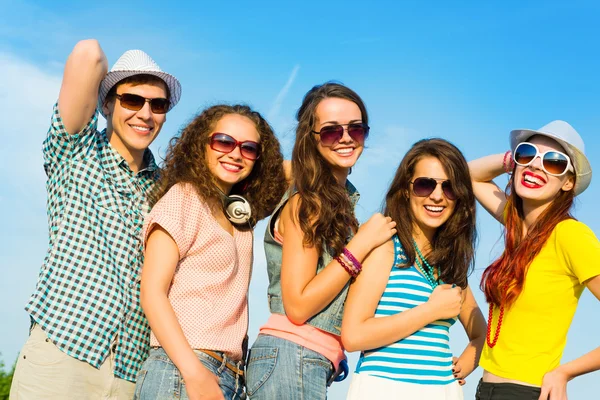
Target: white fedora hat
x,y
136,62
570,140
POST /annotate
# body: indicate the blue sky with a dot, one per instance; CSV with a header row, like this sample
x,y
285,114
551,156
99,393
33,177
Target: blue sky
x,y
468,73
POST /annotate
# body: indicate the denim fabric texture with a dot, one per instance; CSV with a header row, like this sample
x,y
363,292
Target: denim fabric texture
x,y
506,391
330,318
280,369
160,379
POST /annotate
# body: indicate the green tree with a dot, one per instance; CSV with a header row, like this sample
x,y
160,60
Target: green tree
x,y
5,380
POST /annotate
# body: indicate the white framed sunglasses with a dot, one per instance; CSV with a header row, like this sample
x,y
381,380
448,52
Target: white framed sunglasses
x,y
553,162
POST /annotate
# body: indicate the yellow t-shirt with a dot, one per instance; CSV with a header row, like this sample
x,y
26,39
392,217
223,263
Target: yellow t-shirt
x,y
534,329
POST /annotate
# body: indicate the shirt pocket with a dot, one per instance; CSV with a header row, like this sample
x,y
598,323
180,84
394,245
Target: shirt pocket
x,y
113,203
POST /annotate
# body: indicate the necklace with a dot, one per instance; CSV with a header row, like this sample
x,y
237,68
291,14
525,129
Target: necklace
x,y
492,343
427,272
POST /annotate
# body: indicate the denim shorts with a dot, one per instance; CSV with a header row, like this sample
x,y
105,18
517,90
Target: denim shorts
x,y
280,369
160,379
506,391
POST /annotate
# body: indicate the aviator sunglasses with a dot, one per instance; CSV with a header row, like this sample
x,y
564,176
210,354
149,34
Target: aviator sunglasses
x,y
223,143
135,102
331,134
553,162
423,187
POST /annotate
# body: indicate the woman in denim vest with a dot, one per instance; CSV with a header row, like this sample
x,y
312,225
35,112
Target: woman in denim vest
x,y
314,247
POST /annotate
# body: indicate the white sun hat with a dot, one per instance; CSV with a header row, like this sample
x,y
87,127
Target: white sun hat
x,y
570,140
136,62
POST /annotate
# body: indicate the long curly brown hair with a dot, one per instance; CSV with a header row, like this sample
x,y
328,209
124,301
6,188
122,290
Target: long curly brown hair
x,y
325,212
453,246
186,162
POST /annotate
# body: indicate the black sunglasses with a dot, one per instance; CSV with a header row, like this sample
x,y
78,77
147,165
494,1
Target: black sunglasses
x,y
135,102
331,134
423,187
223,143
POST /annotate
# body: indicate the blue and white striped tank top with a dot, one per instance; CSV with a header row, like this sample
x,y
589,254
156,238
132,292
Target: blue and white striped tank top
x,y
423,357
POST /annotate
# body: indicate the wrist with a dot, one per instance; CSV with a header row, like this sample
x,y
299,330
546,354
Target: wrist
x,y
565,371
357,247
431,309
194,371
508,163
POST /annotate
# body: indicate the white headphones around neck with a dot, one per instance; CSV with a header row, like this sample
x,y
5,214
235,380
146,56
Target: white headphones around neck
x,y
237,209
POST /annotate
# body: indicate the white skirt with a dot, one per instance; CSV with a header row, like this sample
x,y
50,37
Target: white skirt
x,y
365,386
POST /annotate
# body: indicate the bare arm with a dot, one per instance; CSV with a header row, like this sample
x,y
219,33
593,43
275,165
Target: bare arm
x,y
554,385
161,259
287,170
361,330
473,321
490,196
84,70
304,292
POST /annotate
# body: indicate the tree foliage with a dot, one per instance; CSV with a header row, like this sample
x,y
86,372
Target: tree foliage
x,y
5,380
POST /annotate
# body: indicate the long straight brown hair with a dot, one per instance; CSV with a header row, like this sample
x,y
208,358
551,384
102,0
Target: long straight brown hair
x,y
453,246
325,212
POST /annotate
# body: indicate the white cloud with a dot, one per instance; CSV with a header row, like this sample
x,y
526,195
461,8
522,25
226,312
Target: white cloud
x,y
284,125
27,94
274,111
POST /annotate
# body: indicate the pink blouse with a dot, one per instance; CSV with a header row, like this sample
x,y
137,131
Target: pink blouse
x,y
209,290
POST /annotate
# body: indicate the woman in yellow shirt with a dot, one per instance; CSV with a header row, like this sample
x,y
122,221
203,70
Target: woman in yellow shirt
x,y
549,258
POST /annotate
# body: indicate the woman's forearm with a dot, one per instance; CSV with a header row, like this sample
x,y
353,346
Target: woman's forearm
x,y
376,332
469,359
587,363
166,328
485,169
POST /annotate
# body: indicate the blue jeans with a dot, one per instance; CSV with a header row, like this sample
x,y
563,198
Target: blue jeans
x,y
280,369
159,378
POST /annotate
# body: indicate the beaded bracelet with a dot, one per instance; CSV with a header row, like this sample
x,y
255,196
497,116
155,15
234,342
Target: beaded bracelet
x,y
349,270
352,259
508,166
350,264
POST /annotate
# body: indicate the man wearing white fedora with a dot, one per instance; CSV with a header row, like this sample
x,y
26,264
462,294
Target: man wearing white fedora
x,y
88,335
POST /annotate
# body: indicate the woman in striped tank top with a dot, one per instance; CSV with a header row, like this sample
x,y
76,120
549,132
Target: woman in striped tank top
x,y
414,287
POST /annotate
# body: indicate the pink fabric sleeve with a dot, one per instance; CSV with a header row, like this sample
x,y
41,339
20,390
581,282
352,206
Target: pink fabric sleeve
x,y
171,213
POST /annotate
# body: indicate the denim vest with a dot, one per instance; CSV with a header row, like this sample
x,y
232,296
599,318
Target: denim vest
x,y
330,318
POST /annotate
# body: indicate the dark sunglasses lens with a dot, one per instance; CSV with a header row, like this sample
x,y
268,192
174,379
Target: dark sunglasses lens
x,y
132,102
358,132
331,134
555,163
249,150
423,187
448,190
525,153
223,143
159,105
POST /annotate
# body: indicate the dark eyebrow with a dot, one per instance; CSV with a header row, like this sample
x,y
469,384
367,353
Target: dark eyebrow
x,y
354,121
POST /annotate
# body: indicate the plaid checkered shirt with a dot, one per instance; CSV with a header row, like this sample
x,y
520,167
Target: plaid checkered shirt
x,y
87,294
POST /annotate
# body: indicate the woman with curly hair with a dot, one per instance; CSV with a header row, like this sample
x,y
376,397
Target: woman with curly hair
x,y
314,247
548,260
198,257
414,288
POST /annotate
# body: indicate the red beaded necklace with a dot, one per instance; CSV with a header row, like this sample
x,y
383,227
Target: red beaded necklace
x,y
490,343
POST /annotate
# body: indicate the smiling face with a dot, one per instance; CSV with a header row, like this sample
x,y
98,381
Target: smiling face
x,y
131,132
432,211
342,155
532,184
231,168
